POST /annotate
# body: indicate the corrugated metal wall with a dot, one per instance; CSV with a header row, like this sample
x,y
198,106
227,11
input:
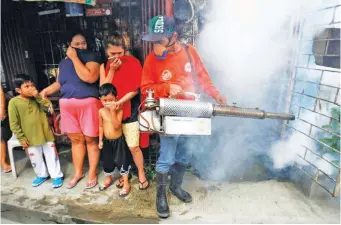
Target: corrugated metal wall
x,y
12,44
150,8
12,51
14,47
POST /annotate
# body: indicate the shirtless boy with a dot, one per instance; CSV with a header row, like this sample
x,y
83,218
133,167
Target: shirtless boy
x,y
111,140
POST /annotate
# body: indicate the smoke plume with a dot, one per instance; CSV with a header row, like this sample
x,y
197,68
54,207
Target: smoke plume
x,y
246,46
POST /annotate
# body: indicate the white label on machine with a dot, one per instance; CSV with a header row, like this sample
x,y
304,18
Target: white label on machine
x,y
152,118
174,125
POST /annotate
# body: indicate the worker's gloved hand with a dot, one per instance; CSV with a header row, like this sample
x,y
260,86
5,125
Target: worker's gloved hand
x,y
175,90
220,99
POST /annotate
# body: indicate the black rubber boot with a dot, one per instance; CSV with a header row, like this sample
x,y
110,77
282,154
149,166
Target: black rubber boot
x,y
162,208
177,176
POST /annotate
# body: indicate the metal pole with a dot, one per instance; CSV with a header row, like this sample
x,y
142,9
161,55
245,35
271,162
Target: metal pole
x,y
130,29
220,110
336,191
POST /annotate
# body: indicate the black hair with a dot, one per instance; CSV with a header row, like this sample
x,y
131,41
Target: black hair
x,y
20,79
71,34
107,89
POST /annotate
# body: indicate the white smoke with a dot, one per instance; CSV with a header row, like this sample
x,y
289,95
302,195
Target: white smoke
x,y
247,46
285,153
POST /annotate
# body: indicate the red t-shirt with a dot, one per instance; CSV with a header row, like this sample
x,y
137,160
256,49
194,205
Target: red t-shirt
x,y
175,69
126,79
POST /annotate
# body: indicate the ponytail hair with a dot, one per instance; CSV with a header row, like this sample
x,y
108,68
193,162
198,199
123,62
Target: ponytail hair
x,y
116,39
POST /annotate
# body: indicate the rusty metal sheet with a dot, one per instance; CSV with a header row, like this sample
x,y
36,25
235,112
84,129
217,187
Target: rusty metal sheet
x,y
99,11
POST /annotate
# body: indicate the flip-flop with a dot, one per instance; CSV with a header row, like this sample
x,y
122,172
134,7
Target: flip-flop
x,y
144,188
105,186
8,170
91,184
73,184
124,192
119,185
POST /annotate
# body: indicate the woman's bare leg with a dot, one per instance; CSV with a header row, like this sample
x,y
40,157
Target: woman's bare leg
x,y
78,149
138,160
93,155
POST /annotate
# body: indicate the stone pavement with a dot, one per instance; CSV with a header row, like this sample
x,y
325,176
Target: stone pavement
x,y
213,202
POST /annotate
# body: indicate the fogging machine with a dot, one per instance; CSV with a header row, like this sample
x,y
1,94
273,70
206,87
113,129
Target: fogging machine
x,y
191,117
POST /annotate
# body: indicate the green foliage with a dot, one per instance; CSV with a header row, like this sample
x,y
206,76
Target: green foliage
x,y
334,126
150,172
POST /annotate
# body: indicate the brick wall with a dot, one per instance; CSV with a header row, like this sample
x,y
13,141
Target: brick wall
x,y
316,97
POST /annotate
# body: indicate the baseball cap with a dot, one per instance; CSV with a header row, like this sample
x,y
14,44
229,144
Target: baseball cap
x,y
159,28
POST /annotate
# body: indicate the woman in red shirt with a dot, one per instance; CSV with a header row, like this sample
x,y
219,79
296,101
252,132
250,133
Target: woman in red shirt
x,y
124,72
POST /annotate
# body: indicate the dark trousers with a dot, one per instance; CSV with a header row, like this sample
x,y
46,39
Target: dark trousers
x,y
116,154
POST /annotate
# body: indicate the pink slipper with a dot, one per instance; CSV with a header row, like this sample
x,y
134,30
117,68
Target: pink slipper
x,y
91,184
73,184
8,170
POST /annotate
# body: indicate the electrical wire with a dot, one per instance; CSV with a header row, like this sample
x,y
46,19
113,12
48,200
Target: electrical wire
x,y
152,120
140,114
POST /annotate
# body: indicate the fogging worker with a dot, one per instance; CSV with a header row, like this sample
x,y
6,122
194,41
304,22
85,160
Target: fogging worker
x,y
172,69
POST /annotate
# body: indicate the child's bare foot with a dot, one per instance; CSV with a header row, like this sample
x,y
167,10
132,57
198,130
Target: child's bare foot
x,y
108,180
126,187
107,183
119,182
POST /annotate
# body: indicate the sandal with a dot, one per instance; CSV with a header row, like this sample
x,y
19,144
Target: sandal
x,y
91,184
8,170
105,186
124,192
119,184
144,188
73,184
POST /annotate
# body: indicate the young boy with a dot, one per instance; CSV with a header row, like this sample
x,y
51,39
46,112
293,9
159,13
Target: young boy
x,y
28,121
115,149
